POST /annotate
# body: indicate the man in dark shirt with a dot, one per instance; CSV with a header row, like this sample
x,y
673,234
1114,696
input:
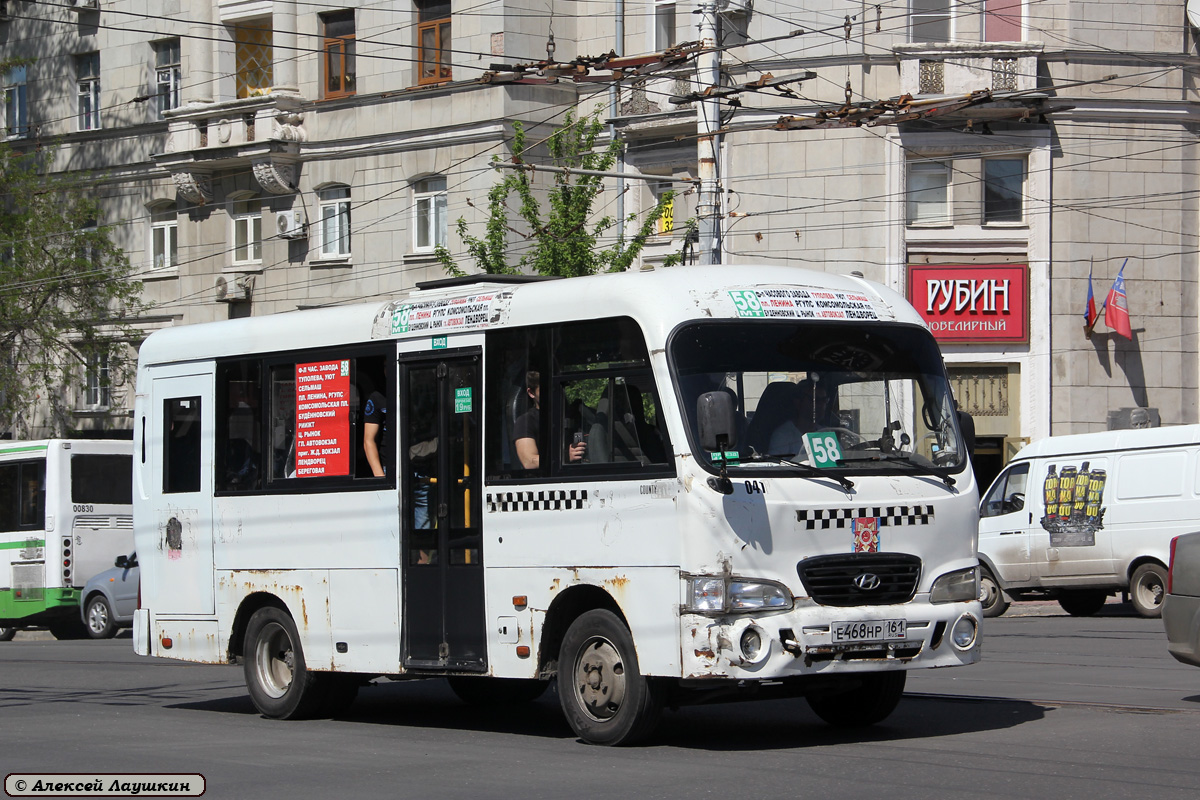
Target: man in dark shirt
x,y
527,429
375,433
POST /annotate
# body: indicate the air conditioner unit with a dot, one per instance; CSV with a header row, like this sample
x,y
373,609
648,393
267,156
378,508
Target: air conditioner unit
x,y
235,290
291,224
84,5
734,8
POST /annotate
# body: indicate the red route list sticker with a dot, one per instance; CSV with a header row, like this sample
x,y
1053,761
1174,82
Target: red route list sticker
x,y
322,419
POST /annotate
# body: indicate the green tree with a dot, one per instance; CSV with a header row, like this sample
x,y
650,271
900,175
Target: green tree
x,y
66,292
562,235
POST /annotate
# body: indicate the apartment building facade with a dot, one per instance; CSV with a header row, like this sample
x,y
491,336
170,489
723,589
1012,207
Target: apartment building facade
x,y
256,157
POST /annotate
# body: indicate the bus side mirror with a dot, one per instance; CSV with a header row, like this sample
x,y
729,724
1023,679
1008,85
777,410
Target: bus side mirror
x,y
716,420
966,424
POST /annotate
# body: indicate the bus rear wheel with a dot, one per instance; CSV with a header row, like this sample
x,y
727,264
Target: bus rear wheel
x,y
6,634
603,693
863,699
279,683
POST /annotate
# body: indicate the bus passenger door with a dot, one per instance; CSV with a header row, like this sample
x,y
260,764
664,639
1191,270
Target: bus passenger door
x,y
179,451
441,475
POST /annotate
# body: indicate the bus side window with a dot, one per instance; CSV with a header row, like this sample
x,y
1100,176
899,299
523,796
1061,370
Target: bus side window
x,y
282,434
10,496
181,454
239,426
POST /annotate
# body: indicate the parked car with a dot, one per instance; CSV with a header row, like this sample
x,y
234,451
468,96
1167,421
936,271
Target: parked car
x,y
1078,518
110,598
1181,606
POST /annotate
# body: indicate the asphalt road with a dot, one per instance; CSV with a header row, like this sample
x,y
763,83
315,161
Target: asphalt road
x,y
1061,707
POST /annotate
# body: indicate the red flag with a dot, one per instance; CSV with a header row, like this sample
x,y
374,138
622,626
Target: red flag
x,y
1116,306
1089,311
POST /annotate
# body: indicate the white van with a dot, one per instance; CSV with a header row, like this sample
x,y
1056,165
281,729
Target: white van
x,y
1081,517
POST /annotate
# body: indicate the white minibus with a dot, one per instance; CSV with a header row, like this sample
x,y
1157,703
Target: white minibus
x,y
1081,517
65,514
674,486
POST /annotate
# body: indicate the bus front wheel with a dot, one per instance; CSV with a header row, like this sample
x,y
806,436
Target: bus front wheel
x,y
603,693
864,700
6,634
273,661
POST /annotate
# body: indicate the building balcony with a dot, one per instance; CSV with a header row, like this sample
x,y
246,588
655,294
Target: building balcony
x,y
963,67
261,134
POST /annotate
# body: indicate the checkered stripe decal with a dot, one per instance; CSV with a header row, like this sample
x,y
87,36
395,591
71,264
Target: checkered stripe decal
x,y
561,500
889,516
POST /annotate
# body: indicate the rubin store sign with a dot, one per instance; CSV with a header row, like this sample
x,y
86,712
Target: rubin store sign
x,y
972,303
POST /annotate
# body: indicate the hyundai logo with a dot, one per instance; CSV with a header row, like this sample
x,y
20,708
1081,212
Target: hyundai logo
x,y
867,582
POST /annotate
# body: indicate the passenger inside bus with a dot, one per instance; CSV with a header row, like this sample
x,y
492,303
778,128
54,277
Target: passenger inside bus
x,y
527,431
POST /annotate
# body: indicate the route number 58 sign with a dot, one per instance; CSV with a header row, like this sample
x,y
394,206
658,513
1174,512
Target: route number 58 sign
x,y
823,449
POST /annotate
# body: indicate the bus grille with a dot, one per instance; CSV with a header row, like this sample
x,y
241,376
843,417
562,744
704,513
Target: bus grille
x,y
98,521
830,580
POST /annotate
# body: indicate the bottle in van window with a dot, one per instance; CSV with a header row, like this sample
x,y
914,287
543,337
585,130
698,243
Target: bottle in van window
x,y
1050,493
1079,504
1095,494
1066,491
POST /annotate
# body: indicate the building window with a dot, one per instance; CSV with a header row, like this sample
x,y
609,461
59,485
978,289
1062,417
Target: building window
x,y
429,214
168,75
16,105
98,391
1002,20
929,20
339,54
334,227
664,24
247,230
1003,190
252,57
87,72
433,41
928,193
164,236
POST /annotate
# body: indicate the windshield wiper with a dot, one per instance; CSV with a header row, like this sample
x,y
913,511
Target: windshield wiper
x,y
908,460
805,469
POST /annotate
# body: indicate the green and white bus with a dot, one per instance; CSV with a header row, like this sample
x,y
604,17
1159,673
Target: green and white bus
x,y
65,514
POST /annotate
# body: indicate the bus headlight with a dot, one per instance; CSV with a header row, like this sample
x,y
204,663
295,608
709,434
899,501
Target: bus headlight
x,y
961,586
713,594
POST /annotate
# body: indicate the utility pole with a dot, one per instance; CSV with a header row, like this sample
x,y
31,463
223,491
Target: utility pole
x,y
708,79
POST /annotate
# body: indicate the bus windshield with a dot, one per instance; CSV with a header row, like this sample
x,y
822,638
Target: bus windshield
x,y
835,396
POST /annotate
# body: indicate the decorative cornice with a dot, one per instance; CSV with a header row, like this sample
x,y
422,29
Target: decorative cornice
x,y
195,187
275,177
